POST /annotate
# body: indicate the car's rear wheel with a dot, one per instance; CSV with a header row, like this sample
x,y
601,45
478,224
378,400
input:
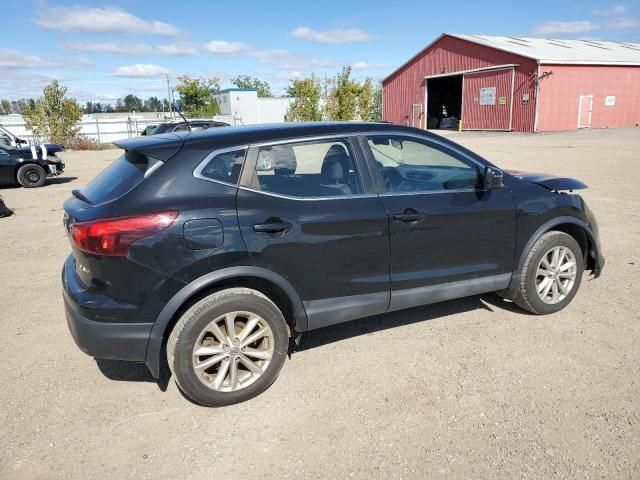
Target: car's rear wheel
x,y
228,347
31,175
551,275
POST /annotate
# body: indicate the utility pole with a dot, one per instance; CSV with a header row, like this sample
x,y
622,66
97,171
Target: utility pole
x,y
169,96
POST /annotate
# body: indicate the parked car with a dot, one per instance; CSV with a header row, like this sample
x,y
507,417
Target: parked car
x,y
181,126
220,246
30,166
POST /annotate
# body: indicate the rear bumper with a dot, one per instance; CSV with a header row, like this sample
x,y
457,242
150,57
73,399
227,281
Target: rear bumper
x,y
117,341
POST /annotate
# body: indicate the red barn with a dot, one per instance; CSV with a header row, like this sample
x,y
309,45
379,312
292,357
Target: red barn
x,y
512,83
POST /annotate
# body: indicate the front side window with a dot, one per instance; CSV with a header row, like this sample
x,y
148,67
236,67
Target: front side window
x,y
409,165
322,168
224,166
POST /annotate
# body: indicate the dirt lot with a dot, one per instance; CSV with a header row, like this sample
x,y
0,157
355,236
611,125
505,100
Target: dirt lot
x,y
464,389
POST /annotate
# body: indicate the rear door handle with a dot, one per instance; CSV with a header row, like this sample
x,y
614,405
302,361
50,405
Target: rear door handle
x,y
272,227
409,216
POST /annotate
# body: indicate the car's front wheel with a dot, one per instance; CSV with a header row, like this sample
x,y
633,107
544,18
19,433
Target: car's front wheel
x,y
228,347
31,175
551,274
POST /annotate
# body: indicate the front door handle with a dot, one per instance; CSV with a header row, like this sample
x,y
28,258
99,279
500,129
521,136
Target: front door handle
x,y
273,227
409,216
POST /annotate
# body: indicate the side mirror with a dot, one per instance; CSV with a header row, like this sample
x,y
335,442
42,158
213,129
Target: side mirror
x,y
492,178
21,141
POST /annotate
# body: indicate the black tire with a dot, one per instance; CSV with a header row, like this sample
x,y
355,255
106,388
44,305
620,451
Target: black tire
x,y
527,297
187,330
31,175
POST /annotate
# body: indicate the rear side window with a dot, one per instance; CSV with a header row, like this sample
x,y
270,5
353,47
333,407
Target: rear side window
x,y
323,168
224,166
114,181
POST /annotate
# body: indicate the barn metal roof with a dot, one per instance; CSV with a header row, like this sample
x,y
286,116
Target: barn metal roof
x,y
580,52
550,51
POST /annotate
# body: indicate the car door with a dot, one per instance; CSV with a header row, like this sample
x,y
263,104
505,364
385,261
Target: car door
x,y
449,235
307,213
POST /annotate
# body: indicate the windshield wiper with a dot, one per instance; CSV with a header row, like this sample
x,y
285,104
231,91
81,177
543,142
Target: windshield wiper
x,y
76,193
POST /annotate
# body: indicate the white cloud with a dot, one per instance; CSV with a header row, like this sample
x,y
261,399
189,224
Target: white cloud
x,y
613,10
139,70
15,59
178,49
333,37
622,24
565,28
367,66
80,18
229,49
109,47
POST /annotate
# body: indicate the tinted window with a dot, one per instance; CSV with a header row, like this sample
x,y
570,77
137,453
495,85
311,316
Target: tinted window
x,y
114,181
225,166
309,169
408,165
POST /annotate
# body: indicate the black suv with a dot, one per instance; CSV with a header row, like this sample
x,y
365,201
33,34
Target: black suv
x,y
222,245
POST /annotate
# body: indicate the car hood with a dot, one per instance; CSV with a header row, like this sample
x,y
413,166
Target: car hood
x,y
36,151
549,181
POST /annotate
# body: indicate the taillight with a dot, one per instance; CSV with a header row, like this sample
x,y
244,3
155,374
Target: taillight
x,y
112,236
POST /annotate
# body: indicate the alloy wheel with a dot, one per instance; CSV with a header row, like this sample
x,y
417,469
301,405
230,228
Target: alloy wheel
x,y
556,274
233,351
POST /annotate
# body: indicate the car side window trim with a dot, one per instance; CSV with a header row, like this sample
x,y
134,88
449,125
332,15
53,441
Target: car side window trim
x,y
197,172
249,177
364,143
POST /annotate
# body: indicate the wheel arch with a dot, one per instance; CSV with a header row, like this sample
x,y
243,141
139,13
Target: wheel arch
x,y
272,285
572,226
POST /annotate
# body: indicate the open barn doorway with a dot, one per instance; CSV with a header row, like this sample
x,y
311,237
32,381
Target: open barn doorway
x,y
444,102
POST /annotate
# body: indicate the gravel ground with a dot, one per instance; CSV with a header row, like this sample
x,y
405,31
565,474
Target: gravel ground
x,y
471,388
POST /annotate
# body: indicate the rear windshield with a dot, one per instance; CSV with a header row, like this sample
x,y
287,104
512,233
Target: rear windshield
x,y
116,180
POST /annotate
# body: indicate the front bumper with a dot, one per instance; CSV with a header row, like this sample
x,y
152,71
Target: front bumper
x,y
117,341
55,168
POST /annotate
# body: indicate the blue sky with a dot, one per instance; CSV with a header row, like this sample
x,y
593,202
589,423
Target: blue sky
x,y
103,51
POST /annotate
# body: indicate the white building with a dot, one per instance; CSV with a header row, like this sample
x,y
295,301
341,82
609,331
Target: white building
x,y
247,108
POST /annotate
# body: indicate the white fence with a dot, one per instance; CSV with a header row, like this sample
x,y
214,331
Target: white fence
x,y
100,129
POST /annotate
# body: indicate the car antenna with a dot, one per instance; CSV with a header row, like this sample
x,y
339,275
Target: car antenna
x,y
182,116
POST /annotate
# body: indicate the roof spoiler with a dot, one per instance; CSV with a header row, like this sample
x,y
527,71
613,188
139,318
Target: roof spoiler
x,y
159,147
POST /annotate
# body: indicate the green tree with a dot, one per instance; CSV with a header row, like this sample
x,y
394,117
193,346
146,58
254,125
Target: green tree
x,y
54,116
132,103
306,104
245,81
108,108
120,106
152,104
342,102
6,106
370,101
197,95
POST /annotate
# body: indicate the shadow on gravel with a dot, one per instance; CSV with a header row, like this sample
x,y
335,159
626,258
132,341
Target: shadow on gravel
x,y
364,326
134,372
60,180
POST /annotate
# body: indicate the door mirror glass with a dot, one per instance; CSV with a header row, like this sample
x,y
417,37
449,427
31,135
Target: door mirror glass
x,y
492,178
